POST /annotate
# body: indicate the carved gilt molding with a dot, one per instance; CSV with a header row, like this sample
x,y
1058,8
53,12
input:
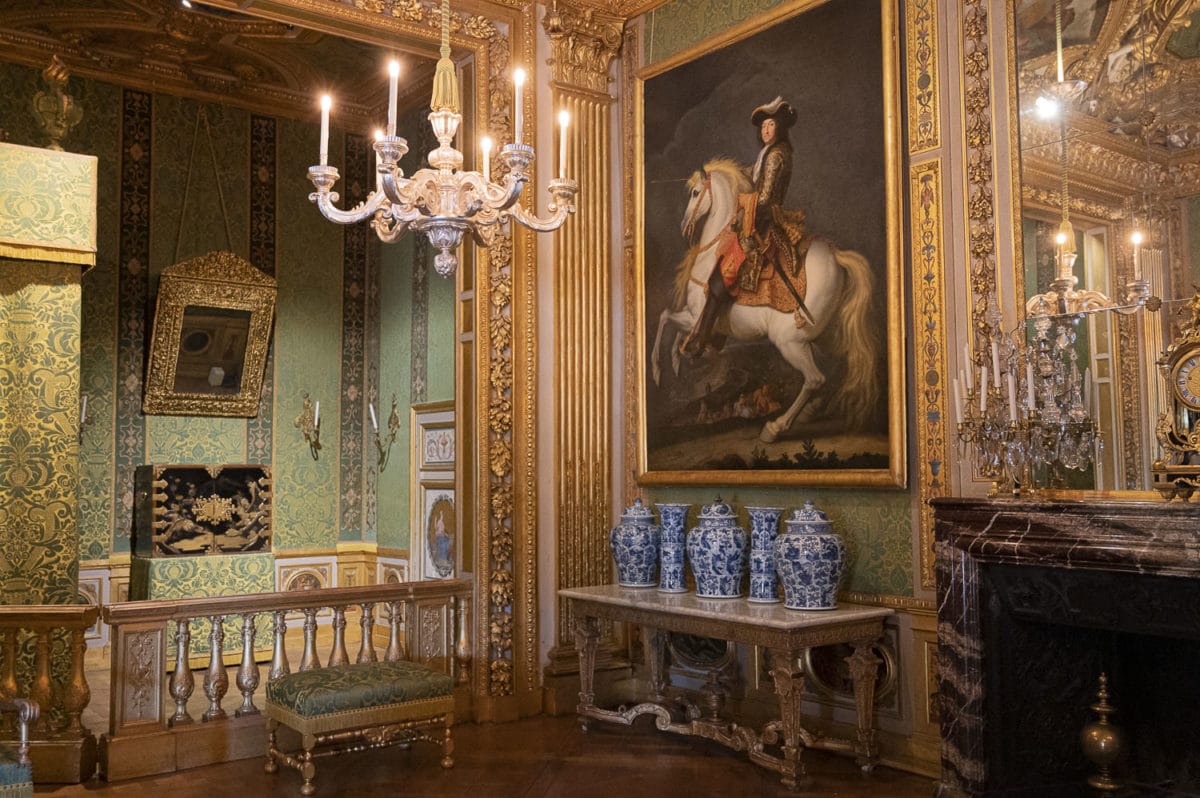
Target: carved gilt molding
x,y
924,107
583,44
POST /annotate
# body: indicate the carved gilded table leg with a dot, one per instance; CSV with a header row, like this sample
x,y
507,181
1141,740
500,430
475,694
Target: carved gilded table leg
x,y
587,639
864,665
655,643
789,687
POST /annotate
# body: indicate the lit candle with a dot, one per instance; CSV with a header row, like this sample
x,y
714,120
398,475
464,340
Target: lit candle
x,y
1137,245
1012,397
995,365
374,423
967,355
518,116
564,119
1029,399
393,92
485,144
983,389
326,102
317,414
957,403
378,159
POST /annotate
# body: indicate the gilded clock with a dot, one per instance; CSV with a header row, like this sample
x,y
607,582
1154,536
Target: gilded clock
x,y
1185,377
1177,471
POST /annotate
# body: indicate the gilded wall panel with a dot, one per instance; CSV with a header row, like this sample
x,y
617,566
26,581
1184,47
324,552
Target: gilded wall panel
x,y
39,414
922,76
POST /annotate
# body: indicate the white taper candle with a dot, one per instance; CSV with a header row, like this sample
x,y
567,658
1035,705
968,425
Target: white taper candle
x,y
326,103
1030,401
957,403
485,144
374,423
983,389
1012,397
317,414
564,120
378,159
995,365
393,93
518,114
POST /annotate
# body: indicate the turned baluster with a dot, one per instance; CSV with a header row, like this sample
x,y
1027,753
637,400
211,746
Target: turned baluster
x,y
462,645
77,693
279,659
395,649
41,689
216,680
182,681
247,675
339,656
366,647
309,659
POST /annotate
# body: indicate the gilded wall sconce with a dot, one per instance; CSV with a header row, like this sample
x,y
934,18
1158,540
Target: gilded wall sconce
x,y
383,443
309,424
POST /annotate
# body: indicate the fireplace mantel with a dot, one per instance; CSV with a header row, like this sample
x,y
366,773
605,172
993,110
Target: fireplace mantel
x,y
1102,566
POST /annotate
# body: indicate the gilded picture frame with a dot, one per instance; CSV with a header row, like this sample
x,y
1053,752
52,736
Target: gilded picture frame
x,y
803,386
435,543
212,329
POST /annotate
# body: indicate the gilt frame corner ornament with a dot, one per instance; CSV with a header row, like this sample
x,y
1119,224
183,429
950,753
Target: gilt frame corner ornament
x,y
223,283
696,422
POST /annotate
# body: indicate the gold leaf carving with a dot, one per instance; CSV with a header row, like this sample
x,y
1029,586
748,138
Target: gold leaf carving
x,y
213,509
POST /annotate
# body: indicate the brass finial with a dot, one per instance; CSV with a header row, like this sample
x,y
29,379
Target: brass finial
x,y
55,110
445,80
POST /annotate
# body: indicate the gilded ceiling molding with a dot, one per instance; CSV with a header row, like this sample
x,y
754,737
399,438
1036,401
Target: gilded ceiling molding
x,y
583,45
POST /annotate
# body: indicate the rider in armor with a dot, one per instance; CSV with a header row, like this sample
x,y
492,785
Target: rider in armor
x,y
762,231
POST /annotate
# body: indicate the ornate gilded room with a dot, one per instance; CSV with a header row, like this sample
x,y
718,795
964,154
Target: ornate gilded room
x,y
522,398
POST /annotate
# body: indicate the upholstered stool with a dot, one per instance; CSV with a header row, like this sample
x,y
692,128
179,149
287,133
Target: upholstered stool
x,y
358,707
16,777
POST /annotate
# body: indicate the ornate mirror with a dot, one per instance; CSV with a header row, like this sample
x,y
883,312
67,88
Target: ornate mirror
x,y
1108,94
212,327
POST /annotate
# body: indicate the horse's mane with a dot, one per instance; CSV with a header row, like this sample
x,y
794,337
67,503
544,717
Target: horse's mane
x,y
737,174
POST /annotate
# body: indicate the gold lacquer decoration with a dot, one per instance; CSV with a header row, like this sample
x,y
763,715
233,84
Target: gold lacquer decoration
x,y
214,509
212,328
924,110
929,332
56,111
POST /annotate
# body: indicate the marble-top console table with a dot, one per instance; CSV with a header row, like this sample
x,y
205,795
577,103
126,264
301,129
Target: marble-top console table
x,y
785,633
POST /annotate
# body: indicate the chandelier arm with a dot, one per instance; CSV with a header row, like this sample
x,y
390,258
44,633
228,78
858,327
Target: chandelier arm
x,y
561,206
394,185
501,198
365,210
388,230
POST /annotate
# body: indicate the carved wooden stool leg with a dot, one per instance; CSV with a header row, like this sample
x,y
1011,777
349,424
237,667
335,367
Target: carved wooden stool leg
x,y
448,747
272,766
308,771
864,665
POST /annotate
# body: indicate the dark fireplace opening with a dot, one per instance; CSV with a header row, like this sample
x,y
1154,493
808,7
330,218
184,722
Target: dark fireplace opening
x,y
1048,634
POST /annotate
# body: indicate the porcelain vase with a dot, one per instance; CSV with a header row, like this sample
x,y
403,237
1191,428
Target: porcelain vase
x,y
764,528
716,548
672,519
635,547
811,560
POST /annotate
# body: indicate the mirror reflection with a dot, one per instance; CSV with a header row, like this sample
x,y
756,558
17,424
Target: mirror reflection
x,y
1109,102
212,350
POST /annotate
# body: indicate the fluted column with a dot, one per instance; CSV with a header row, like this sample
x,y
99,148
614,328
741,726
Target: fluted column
x,y
583,45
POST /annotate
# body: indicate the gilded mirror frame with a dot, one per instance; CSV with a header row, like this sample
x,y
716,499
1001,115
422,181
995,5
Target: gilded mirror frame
x,y
220,280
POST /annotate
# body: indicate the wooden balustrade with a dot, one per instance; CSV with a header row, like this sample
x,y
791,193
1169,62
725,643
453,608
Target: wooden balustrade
x,y
429,620
61,747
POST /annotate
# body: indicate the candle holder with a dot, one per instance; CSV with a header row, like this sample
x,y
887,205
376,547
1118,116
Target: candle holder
x,y
309,424
393,426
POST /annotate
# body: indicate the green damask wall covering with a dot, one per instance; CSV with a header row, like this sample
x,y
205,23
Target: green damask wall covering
x,y
39,412
877,524
149,140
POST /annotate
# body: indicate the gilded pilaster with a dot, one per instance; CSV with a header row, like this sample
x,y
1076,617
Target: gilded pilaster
x,y
583,44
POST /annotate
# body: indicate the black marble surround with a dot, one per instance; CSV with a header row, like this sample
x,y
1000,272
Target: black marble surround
x,y
1035,599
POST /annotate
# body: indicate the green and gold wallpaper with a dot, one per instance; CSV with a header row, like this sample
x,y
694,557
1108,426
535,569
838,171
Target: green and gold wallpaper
x,y
162,194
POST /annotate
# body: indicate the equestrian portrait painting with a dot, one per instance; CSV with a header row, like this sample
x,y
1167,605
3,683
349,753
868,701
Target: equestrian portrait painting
x,y
771,341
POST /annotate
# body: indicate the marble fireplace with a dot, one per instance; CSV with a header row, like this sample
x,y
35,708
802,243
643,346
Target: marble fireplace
x,y
1035,600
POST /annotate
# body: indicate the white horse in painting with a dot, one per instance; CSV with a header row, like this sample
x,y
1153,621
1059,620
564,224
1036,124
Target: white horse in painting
x,y
840,287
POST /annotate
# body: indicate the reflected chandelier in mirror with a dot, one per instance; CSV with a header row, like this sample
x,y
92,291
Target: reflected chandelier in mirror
x,y
212,327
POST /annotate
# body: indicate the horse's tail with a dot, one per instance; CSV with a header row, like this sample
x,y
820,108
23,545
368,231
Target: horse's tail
x,y
858,341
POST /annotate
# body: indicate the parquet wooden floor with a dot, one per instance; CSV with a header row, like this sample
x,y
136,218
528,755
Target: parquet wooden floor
x,y
540,756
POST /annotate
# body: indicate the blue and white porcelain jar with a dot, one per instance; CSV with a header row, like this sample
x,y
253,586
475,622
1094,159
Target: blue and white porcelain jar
x,y
635,547
811,561
673,520
717,550
764,528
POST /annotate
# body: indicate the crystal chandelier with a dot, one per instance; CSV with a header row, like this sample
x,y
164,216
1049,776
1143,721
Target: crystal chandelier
x,y
444,201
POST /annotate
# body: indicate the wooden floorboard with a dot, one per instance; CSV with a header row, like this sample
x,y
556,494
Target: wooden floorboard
x,y
535,757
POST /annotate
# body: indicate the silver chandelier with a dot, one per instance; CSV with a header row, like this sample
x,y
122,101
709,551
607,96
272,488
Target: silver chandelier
x,y
443,201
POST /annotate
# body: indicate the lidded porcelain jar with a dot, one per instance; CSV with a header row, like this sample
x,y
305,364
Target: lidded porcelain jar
x,y
717,551
811,560
635,547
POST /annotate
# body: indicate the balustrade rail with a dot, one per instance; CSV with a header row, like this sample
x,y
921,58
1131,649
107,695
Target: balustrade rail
x,y
52,674
426,621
